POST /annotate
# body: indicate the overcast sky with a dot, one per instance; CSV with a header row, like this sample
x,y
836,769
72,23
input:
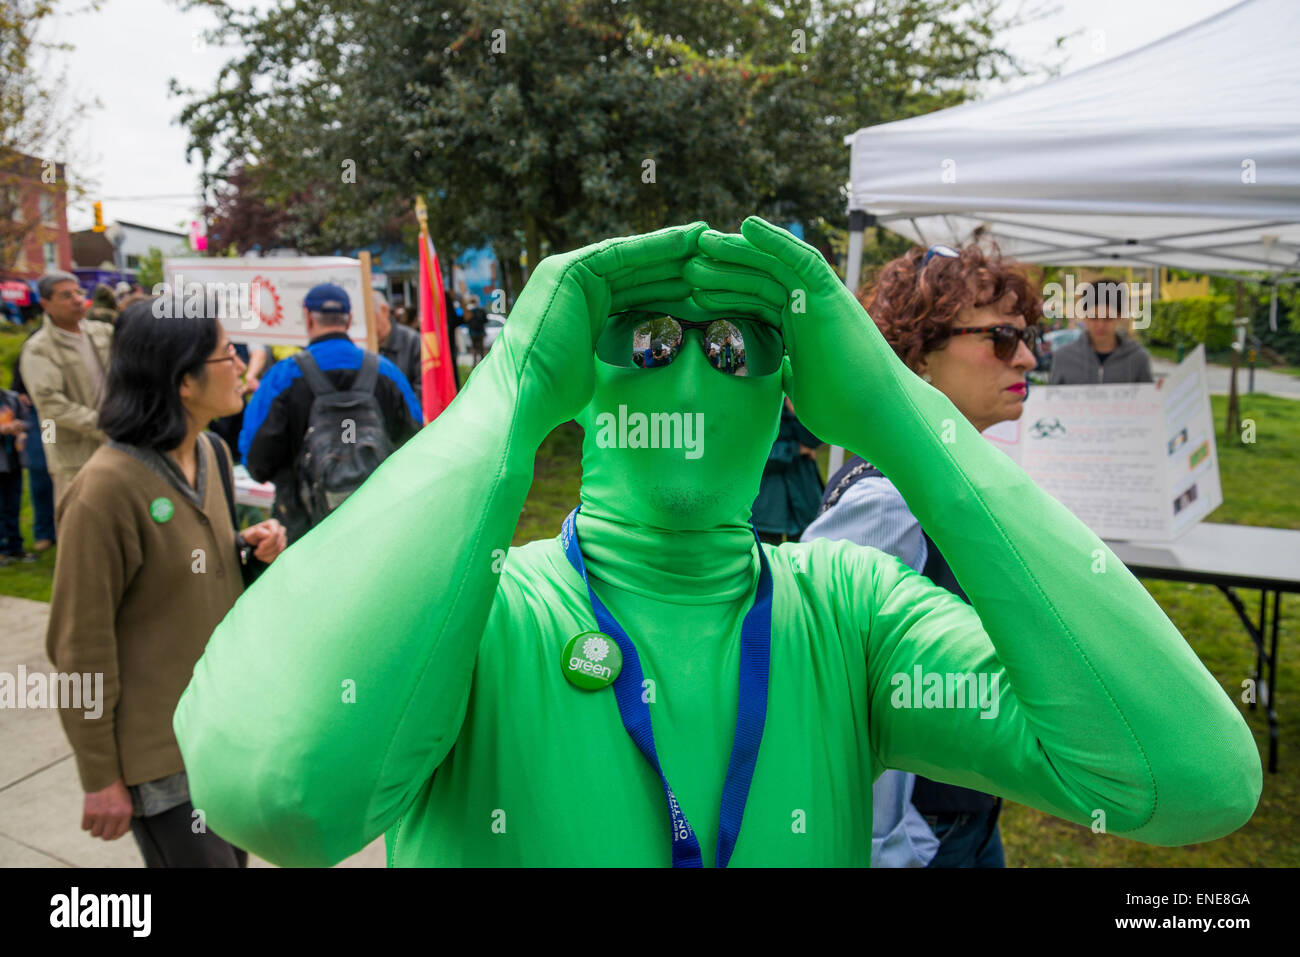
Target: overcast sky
x,y
127,52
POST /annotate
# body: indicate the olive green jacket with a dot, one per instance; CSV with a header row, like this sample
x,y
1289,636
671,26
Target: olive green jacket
x,y
60,387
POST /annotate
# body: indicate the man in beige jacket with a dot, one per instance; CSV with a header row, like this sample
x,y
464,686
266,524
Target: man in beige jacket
x,y
64,366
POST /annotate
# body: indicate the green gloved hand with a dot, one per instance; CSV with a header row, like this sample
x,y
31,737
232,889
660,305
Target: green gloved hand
x,y
553,327
839,362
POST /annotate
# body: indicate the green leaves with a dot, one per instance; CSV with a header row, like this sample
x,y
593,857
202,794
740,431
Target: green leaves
x,y
150,271
554,123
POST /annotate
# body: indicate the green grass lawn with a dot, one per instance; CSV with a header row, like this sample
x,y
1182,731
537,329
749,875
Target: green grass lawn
x,y
11,340
23,581
1259,484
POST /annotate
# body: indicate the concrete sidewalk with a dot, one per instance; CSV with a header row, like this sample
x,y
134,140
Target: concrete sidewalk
x,y
40,795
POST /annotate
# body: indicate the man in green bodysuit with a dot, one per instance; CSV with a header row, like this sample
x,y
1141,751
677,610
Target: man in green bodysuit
x,y
427,690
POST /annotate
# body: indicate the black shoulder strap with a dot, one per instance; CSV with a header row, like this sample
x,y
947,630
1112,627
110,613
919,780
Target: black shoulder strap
x,y
939,571
366,379
369,374
316,380
849,474
223,466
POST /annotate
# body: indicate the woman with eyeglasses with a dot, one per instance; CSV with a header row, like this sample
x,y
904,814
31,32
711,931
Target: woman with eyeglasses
x,y
149,565
966,323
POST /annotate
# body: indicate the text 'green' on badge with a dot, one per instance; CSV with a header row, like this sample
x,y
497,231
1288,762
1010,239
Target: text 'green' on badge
x,y
591,661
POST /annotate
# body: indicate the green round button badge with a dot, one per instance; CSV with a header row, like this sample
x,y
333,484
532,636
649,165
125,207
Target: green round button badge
x,y
591,661
162,509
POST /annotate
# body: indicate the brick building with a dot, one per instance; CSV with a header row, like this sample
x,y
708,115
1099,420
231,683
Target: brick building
x,y
33,217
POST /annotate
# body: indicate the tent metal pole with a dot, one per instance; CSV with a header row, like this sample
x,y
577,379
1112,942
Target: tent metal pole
x,y
859,220
836,461
1055,251
924,242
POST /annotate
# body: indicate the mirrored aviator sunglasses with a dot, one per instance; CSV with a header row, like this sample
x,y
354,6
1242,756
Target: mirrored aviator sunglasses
x,y
649,340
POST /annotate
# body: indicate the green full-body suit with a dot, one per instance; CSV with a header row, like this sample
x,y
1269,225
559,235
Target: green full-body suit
x,y
398,671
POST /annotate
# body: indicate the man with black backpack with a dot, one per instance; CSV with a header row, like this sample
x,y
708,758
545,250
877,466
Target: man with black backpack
x,y
324,419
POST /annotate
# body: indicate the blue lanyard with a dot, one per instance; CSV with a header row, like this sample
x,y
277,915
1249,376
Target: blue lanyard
x,y
755,655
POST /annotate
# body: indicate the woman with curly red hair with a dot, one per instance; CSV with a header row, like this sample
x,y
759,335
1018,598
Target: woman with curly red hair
x,y
966,322
958,321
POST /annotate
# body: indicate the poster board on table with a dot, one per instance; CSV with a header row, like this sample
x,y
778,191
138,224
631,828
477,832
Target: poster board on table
x,y
1134,462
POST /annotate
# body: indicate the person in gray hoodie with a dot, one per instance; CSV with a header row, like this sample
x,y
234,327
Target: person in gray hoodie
x,y
1104,355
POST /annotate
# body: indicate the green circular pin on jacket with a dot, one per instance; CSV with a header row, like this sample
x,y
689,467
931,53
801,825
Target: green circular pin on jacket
x,y
591,661
161,510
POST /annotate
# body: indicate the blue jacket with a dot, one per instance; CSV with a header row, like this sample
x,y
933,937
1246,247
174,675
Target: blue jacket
x,y
332,351
275,421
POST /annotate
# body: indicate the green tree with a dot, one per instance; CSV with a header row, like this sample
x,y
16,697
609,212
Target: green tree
x,y
150,270
541,125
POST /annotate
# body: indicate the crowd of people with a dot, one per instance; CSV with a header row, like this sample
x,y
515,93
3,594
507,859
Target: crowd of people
x,y
125,423
61,370
118,417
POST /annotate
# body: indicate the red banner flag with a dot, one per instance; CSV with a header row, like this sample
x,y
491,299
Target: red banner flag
x,y
436,353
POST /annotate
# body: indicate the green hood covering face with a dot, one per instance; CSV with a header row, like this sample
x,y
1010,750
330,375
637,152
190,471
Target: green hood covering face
x,y
674,521
718,430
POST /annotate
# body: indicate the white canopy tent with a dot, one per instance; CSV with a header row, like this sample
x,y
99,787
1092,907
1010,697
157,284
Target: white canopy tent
x,y
1184,153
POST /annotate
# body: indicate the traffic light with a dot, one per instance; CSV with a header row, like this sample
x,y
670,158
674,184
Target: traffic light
x,y
99,217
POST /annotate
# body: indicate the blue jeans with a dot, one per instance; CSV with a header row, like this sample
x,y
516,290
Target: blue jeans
x,y
965,840
42,489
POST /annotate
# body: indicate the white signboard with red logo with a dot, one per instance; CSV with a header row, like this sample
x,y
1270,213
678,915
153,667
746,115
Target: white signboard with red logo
x,y
259,301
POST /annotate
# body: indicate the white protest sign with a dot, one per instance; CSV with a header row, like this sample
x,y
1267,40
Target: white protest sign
x,y
259,301
1134,462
